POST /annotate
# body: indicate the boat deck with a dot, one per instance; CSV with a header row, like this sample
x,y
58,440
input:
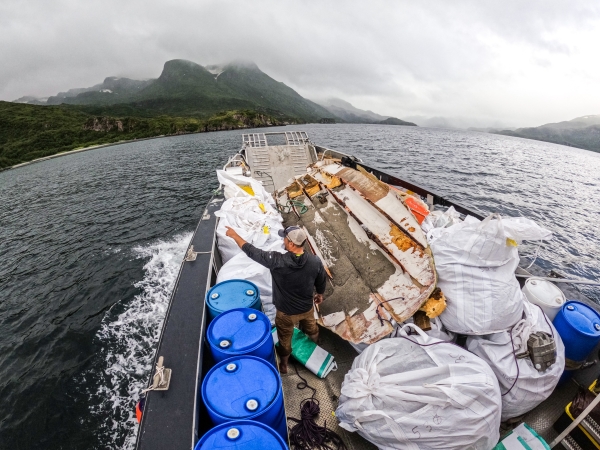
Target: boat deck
x,y
327,389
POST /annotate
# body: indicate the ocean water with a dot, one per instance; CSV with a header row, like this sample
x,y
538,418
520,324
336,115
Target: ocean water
x,y
91,244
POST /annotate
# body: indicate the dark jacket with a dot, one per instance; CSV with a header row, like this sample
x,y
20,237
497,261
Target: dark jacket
x,y
294,278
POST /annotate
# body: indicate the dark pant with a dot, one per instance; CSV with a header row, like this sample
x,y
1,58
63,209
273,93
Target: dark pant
x,y
285,328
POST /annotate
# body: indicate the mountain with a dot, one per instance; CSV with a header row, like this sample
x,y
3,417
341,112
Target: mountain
x,y
348,113
29,100
468,123
185,88
581,132
111,90
394,121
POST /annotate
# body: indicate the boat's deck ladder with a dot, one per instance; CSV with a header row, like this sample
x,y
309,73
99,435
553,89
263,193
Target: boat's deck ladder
x,y
275,165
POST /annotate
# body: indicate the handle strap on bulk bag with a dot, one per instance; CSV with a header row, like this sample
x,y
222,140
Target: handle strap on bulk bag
x,y
403,331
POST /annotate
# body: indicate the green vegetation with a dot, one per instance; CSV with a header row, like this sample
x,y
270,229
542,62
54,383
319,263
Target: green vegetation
x,y
186,98
28,132
394,121
185,89
581,132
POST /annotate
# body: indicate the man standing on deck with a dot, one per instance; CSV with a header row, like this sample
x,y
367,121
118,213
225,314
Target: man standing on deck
x,y
295,276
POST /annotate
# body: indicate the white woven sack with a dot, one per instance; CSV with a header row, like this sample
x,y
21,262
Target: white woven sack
x,y
476,262
531,387
250,222
417,392
242,267
439,332
232,187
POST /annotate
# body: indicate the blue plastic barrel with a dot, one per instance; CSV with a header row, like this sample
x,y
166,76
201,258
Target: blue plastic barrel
x,y
232,294
245,388
241,331
579,328
241,435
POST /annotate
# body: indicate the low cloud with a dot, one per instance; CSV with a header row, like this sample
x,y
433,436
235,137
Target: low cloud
x,y
512,62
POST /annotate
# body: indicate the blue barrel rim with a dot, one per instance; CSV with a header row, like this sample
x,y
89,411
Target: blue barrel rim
x,y
245,351
240,423
272,404
207,297
587,307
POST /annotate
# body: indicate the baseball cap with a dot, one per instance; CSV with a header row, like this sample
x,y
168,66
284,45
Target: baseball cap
x,y
294,234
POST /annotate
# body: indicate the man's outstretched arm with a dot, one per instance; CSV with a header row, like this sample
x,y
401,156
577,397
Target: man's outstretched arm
x,y
236,237
268,259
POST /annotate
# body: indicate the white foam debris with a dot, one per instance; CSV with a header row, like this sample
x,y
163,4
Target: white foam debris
x,y
399,282
332,168
371,311
128,341
331,320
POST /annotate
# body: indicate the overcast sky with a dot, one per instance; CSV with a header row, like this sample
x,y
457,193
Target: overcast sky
x,y
518,63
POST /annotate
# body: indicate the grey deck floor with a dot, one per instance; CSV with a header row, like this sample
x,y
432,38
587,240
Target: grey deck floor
x,y
328,389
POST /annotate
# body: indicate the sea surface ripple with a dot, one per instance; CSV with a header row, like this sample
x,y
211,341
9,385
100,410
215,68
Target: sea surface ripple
x,y
91,244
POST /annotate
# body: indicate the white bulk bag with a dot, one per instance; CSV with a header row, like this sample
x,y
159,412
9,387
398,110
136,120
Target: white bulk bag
x,y
242,267
250,222
417,392
476,262
437,331
439,219
531,387
232,186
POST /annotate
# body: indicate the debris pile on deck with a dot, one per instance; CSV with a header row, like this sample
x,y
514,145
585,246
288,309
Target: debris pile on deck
x,y
391,261
376,255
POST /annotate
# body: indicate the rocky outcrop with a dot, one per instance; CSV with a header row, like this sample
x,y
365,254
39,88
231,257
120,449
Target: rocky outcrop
x,y
104,124
241,120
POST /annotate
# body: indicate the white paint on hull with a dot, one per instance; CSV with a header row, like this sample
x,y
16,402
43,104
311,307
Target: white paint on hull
x,y
414,261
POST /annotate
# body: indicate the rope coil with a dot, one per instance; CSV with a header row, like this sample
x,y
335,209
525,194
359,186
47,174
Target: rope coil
x,y
284,209
307,434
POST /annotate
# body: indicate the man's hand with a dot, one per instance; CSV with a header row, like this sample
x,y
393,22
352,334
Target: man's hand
x,y
236,237
318,299
231,232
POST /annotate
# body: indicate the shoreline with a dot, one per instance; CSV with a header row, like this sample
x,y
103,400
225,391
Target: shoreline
x,y
127,141
84,149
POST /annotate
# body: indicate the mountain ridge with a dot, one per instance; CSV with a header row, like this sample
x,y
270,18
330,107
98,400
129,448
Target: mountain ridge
x,y
582,132
350,114
187,88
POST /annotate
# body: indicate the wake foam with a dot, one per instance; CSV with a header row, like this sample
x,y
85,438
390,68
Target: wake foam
x,y
128,336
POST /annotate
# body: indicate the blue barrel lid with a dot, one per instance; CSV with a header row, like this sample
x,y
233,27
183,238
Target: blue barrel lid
x,y
241,435
232,294
582,317
239,330
241,387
